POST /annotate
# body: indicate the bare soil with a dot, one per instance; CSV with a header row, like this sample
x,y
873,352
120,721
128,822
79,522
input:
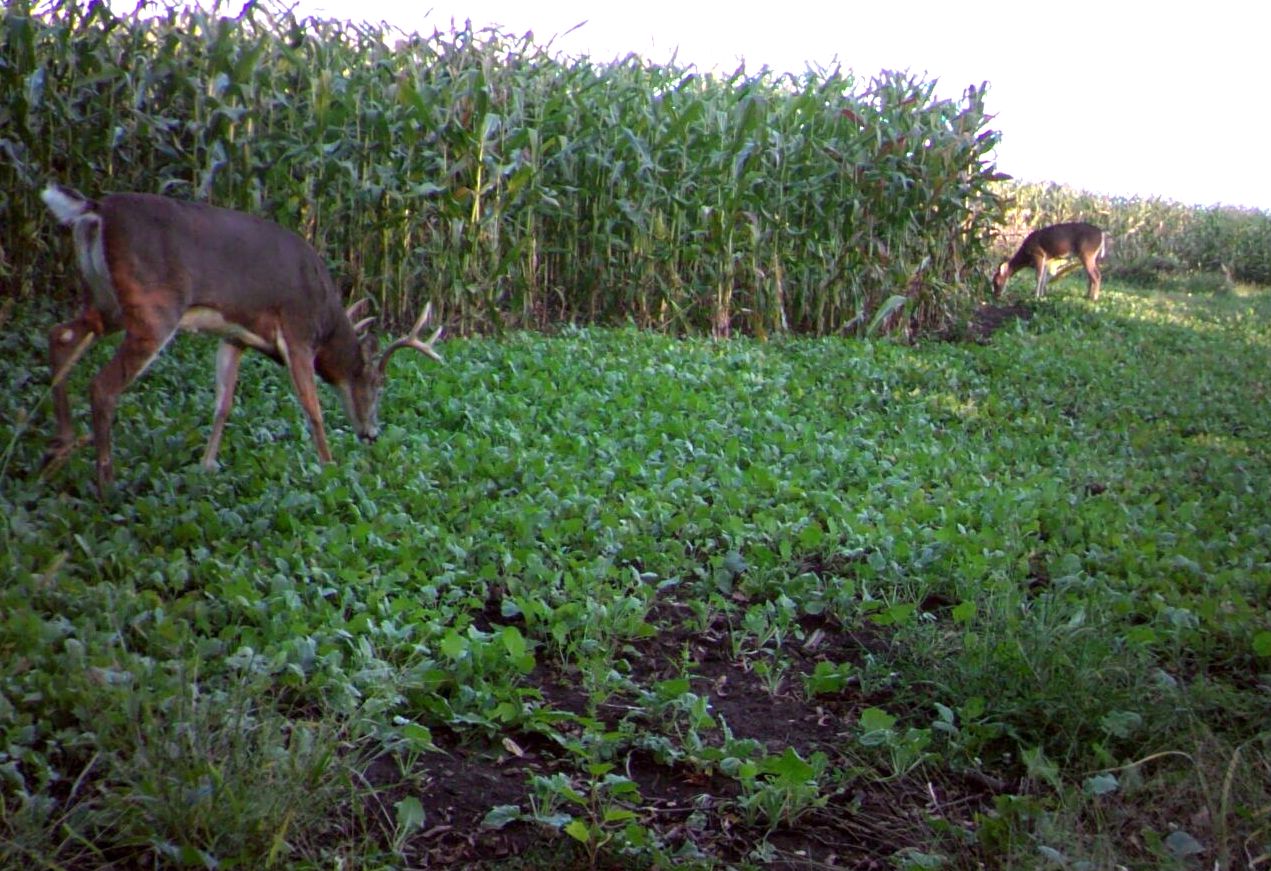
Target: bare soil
x,y
863,822
988,318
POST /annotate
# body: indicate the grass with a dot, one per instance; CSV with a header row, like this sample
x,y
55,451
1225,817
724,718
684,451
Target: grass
x,y
614,598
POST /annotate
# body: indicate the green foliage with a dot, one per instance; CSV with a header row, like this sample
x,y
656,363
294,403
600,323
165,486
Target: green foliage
x,y
1230,240
777,790
1039,564
475,170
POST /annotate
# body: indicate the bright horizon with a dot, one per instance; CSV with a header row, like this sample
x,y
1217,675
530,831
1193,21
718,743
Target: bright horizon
x,y
1140,102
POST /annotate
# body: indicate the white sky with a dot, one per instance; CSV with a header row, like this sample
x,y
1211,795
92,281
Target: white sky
x,y
1121,98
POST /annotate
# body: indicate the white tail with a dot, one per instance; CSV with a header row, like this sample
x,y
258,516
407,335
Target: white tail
x,y
1081,240
65,207
153,265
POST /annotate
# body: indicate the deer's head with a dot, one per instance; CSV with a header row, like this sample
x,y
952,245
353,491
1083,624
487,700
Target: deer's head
x,y
361,393
999,278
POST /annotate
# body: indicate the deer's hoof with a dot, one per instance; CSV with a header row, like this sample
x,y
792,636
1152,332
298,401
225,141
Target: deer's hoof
x,y
58,452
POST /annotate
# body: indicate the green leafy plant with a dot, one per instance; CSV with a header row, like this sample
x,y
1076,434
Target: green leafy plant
x,y
777,790
597,811
1030,573
905,750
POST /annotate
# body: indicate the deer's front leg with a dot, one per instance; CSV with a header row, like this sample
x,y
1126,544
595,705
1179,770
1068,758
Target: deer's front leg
x,y
67,343
299,360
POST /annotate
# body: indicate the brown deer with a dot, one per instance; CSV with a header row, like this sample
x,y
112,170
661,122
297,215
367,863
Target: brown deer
x,y
153,265
1081,240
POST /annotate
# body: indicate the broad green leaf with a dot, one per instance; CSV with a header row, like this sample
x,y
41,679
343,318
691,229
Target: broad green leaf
x,y
811,535
410,814
789,767
513,642
1141,635
963,612
500,815
1262,643
876,720
453,645
579,831
1100,784
1121,723
418,735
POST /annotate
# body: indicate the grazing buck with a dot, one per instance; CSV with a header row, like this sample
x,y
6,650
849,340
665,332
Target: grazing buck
x,y
153,265
1084,241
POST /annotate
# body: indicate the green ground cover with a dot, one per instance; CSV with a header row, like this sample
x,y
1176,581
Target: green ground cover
x,y
616,598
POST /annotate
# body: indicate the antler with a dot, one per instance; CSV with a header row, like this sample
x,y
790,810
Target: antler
x,y
411,340
352,311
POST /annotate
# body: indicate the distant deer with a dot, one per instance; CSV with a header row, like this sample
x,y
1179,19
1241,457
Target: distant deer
x,y
153,265
1081,240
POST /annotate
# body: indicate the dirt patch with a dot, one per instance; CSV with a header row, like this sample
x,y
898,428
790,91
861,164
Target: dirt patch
x,y
686,801
986,320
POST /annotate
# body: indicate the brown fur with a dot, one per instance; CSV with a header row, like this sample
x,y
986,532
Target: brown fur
x,y
1079,239
173,265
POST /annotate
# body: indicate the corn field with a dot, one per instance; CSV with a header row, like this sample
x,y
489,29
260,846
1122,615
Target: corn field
x,y
515,189
510,188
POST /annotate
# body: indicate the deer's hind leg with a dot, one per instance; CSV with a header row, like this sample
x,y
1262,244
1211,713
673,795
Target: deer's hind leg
x,y
68,342
149,324
228,355
1043,276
